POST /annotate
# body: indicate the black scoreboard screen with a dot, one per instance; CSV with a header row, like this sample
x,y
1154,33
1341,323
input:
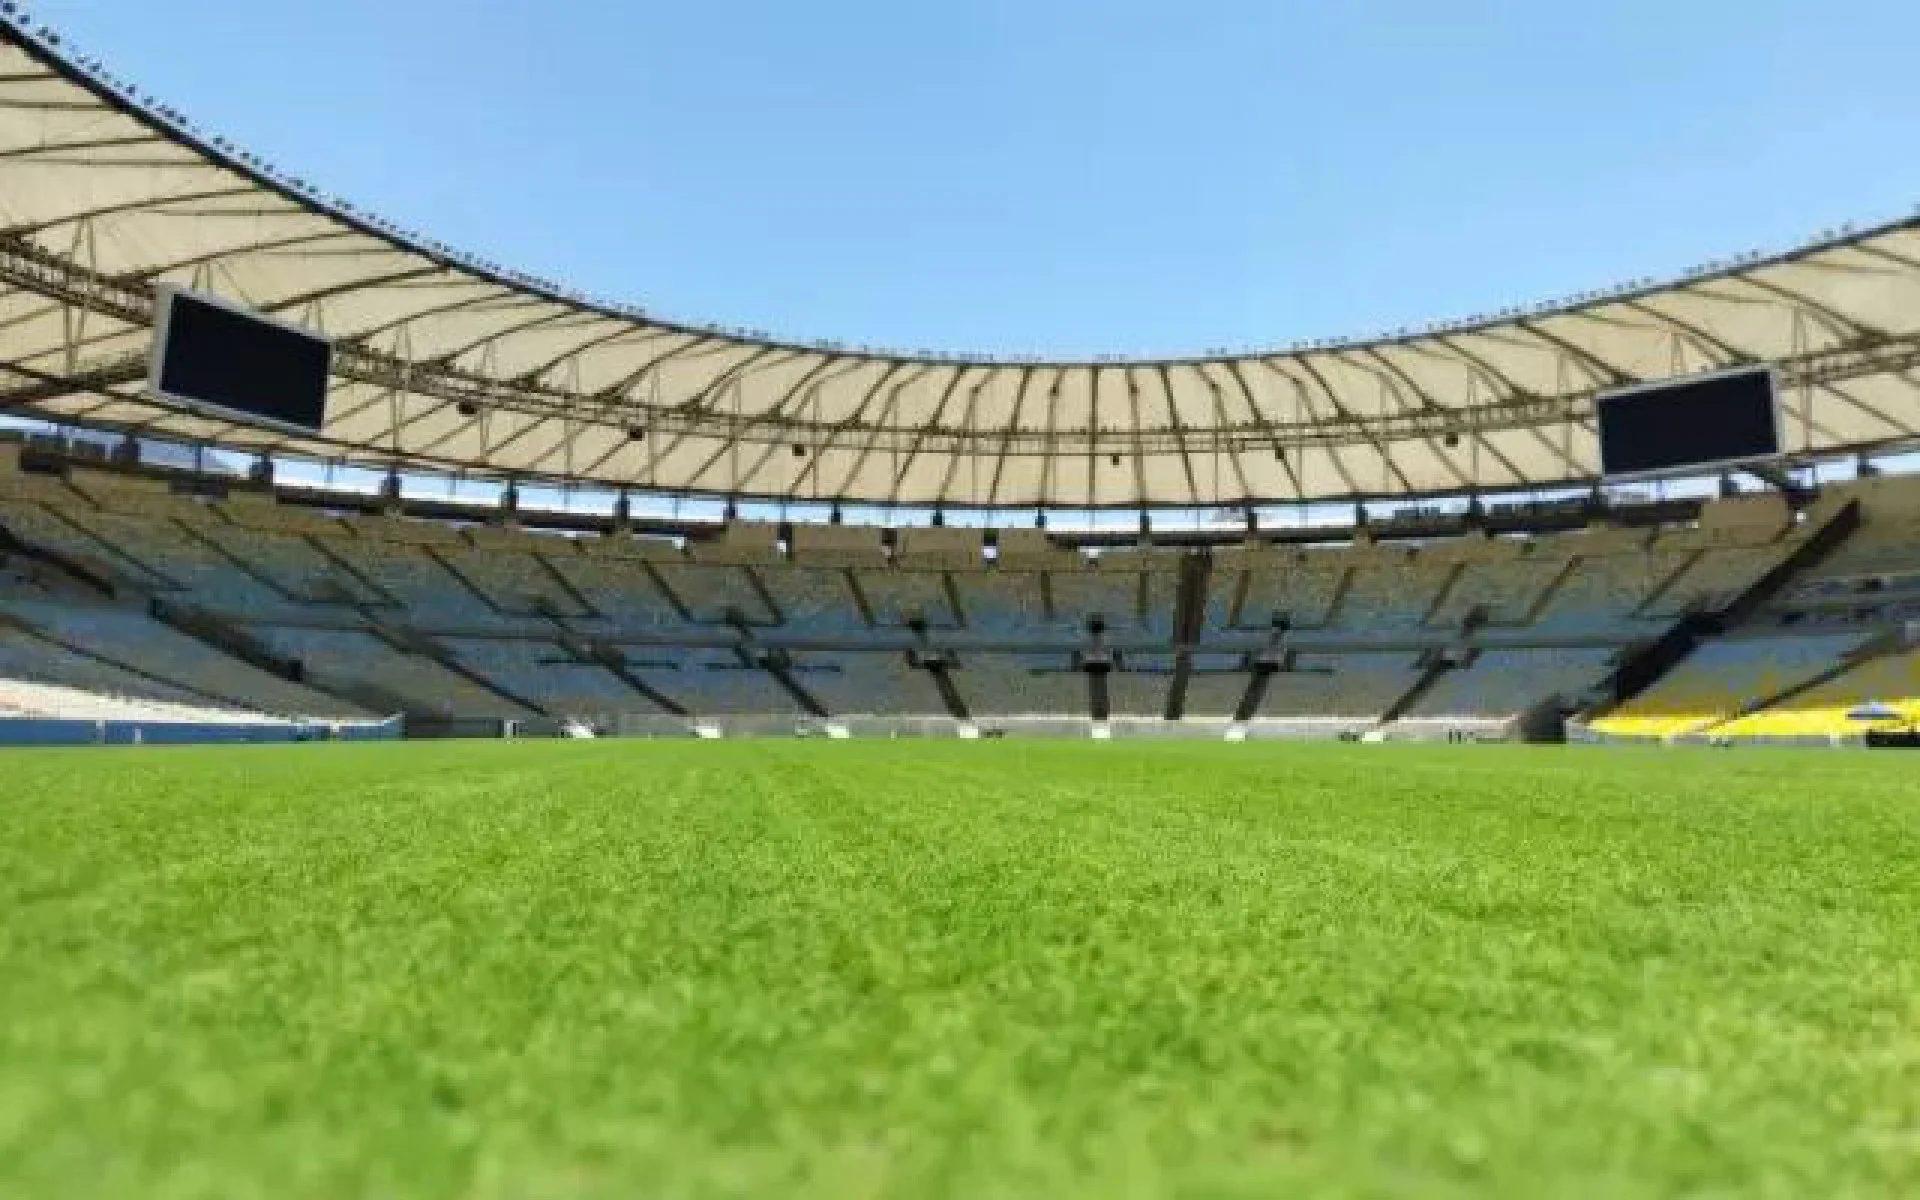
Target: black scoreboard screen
x,y
211,355
1702,422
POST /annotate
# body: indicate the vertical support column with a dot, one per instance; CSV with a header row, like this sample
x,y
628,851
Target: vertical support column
x,y
733,445
1806,382
403,348
652,437
1099,695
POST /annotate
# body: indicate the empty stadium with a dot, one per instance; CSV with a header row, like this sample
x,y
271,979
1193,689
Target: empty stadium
x,y
530,520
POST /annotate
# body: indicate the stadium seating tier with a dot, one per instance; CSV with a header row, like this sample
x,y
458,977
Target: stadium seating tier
x,y
491,621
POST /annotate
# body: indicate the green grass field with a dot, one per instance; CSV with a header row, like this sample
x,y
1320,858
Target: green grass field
x,y
837,970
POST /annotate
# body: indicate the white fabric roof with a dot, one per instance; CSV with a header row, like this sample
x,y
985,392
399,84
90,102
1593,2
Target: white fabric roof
x,y
445,362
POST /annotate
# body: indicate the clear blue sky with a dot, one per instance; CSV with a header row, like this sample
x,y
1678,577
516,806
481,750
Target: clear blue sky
x,y
1062,176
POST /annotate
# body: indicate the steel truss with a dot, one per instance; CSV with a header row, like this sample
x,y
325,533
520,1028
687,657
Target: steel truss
x,y
33,268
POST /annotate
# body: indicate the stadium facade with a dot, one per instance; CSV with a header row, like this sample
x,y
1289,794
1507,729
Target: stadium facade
x,y
143,592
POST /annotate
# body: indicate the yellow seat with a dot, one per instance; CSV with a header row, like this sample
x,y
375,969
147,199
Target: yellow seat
x,y
1822,711
1721,679
1630,724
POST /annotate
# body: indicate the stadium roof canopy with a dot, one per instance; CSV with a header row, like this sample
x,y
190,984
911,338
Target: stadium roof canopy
x,y
447,362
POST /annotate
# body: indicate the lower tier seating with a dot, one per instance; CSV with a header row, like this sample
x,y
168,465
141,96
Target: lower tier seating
x,y
194,671
1502,684
545,674
868,684
1720,679
1216,685
347,658
1139,688
30,699
716,683
1342,688
476,619
1022,685
41,679
1844,706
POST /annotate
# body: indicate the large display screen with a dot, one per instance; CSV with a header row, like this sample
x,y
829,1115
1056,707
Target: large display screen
x,y
1704,421
209,354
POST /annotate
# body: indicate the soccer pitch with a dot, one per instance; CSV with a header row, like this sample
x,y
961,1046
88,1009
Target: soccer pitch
x,y
935,968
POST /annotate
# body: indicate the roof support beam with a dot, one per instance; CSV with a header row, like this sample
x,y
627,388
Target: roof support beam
x,y
127,301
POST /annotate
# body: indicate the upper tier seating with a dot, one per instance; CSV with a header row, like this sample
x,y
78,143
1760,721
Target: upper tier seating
x,y
509,569
1880,549
1010,603
1715,579
1110,597
294,563
1503,582
1885,547
621,589
901,596
740,543
1252,589
1390,590
409,572
838,546
813,601
46,528
180,553
941,549
714,595
1142,588
1160,603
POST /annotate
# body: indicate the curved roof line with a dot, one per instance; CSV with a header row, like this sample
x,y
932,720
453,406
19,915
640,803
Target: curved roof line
x,y
48,45
448,359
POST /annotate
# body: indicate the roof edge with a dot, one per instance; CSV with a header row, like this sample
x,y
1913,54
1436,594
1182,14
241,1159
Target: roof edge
x,y
49,47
